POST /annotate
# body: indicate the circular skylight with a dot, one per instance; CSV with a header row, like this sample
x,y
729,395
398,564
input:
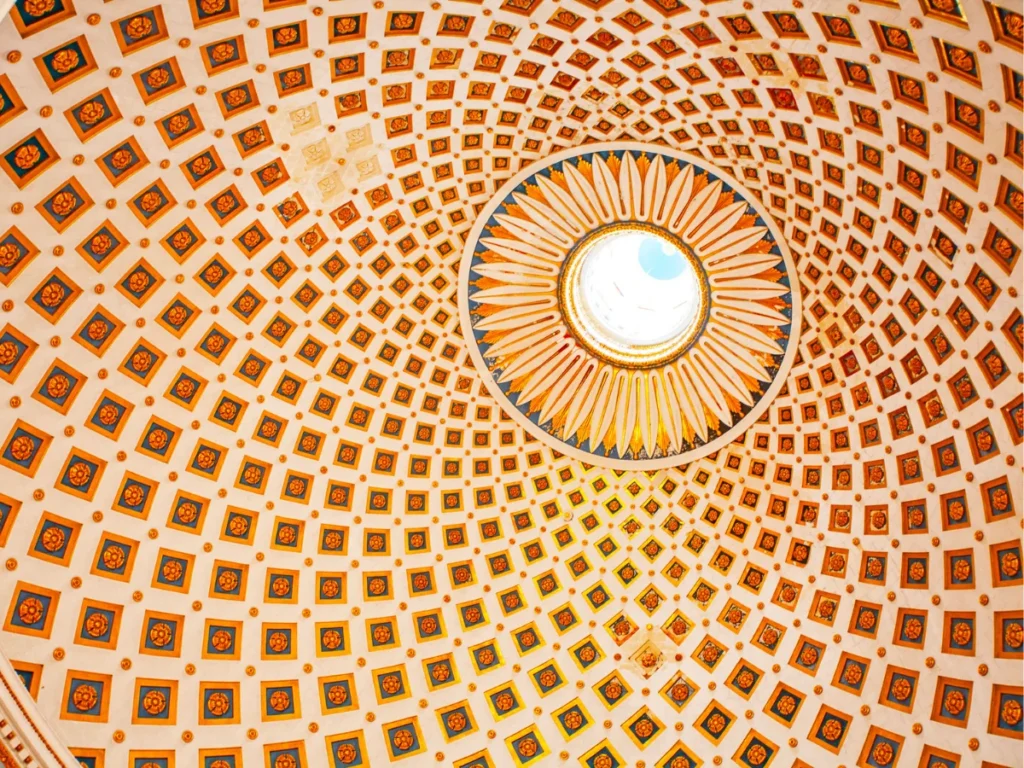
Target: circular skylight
x,y
638,287
632,292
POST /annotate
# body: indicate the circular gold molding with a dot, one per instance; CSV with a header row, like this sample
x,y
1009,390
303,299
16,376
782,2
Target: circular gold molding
x,y
636,356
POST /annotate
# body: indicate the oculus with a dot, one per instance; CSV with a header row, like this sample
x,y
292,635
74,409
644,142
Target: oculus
x,y
633,293
628,305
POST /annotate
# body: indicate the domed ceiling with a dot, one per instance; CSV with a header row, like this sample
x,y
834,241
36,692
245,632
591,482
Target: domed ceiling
x,y
260,507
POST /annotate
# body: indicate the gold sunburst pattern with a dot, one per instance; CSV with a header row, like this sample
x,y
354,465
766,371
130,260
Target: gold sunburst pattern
x,y
642,406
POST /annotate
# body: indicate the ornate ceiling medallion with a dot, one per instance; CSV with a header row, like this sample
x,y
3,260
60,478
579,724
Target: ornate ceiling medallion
x,y
628,306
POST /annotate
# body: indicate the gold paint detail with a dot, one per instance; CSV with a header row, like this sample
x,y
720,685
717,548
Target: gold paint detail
x,y
576,316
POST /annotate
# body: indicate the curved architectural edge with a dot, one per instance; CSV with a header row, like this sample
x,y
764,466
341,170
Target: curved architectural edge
x,y
465,317
32,742
27,738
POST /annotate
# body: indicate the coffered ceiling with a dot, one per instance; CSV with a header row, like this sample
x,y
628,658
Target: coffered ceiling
x,y
258,506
